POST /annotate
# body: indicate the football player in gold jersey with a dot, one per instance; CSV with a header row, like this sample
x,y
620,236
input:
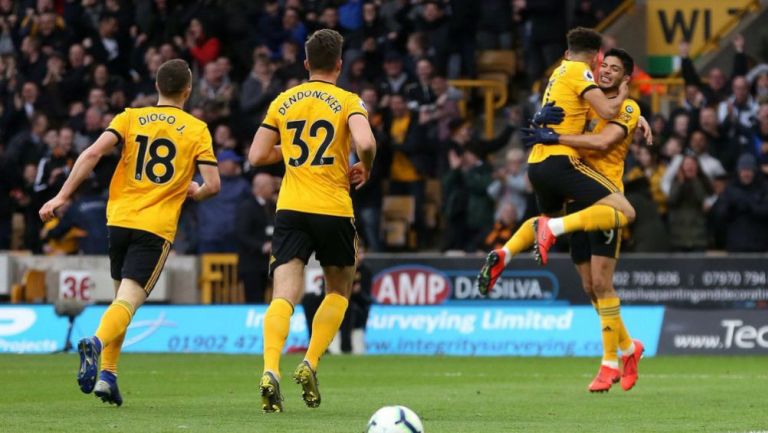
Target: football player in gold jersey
x,y
605,148
557,173
311,128
160,148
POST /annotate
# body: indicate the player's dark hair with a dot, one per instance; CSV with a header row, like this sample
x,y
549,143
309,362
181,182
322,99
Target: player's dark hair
x,y
626,60
173,77
582,39
323,50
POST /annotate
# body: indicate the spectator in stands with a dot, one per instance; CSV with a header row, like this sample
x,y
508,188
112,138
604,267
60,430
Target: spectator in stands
x,y
446,106
650,168
32,65
213,93
216,216
87,216
510,184
743,209
27,147
259,89
648,234
467,207
719,145
203,48
74,80
372,31
395,78
53,168
435,27
760,139
495,25
707,164
254,224
8,184
291,65
716,89
737,114
687,221
106,47
367,200
544,29
419,93
407,144
503,228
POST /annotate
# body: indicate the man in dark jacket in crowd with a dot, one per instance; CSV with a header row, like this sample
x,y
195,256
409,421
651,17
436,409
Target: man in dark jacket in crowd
x,y
468,208
216,217
743,209
88,212
254,224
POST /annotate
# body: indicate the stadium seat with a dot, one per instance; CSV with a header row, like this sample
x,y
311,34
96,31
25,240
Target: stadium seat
x,y
398,215
31,289
218,280
497,61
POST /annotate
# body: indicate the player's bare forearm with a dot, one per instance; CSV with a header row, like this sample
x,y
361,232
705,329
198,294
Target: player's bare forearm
x,y
204,192
365,142
211,183
82,169
610,135
593,142
86,162
264,148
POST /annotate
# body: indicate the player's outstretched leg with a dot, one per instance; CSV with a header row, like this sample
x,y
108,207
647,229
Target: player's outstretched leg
x,y
271,397
497,260
89,350
595,217
310,389
106,388
629,363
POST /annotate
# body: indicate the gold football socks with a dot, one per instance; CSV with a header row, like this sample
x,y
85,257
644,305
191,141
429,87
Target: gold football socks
x,y
114,322
325,325
277,322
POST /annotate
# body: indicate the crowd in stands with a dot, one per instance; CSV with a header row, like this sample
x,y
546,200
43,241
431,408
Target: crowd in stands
x,y
67,67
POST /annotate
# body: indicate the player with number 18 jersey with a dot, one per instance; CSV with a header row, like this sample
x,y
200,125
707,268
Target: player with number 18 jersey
x,y
161,146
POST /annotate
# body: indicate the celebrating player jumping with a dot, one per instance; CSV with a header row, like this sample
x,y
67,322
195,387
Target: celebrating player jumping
x,y
595,253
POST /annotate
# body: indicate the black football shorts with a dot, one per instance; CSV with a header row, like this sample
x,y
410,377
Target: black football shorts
x,y
584,245
297,235
137,255
560,179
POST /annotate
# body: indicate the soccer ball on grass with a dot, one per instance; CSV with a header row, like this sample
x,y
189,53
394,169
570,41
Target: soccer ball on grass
x,y
394,419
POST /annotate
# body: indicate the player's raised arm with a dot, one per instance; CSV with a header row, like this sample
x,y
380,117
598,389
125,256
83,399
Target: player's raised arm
x,y
80,171
606,107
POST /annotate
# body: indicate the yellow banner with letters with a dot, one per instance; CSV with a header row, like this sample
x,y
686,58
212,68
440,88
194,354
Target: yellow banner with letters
x,y
671,22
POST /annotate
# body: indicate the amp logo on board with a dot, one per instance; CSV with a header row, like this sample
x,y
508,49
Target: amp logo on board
x,y
411,285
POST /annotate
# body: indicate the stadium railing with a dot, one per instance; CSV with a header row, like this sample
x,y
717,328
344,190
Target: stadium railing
x,y
218,280
494,97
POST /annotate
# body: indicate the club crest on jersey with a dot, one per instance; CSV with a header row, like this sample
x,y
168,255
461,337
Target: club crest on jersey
x,y
588,75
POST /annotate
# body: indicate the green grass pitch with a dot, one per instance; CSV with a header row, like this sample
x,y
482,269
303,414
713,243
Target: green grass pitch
x,y
218,393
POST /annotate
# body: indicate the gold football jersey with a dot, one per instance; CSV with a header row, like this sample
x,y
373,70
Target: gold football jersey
x,y
311,119
610,162
566,86
160,147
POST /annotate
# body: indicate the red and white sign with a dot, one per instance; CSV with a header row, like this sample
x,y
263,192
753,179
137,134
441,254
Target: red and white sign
x,y
411,285
76,285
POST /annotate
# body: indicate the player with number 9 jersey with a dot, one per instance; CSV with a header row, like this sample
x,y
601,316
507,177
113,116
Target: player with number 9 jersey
x,y
161,146
312,122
